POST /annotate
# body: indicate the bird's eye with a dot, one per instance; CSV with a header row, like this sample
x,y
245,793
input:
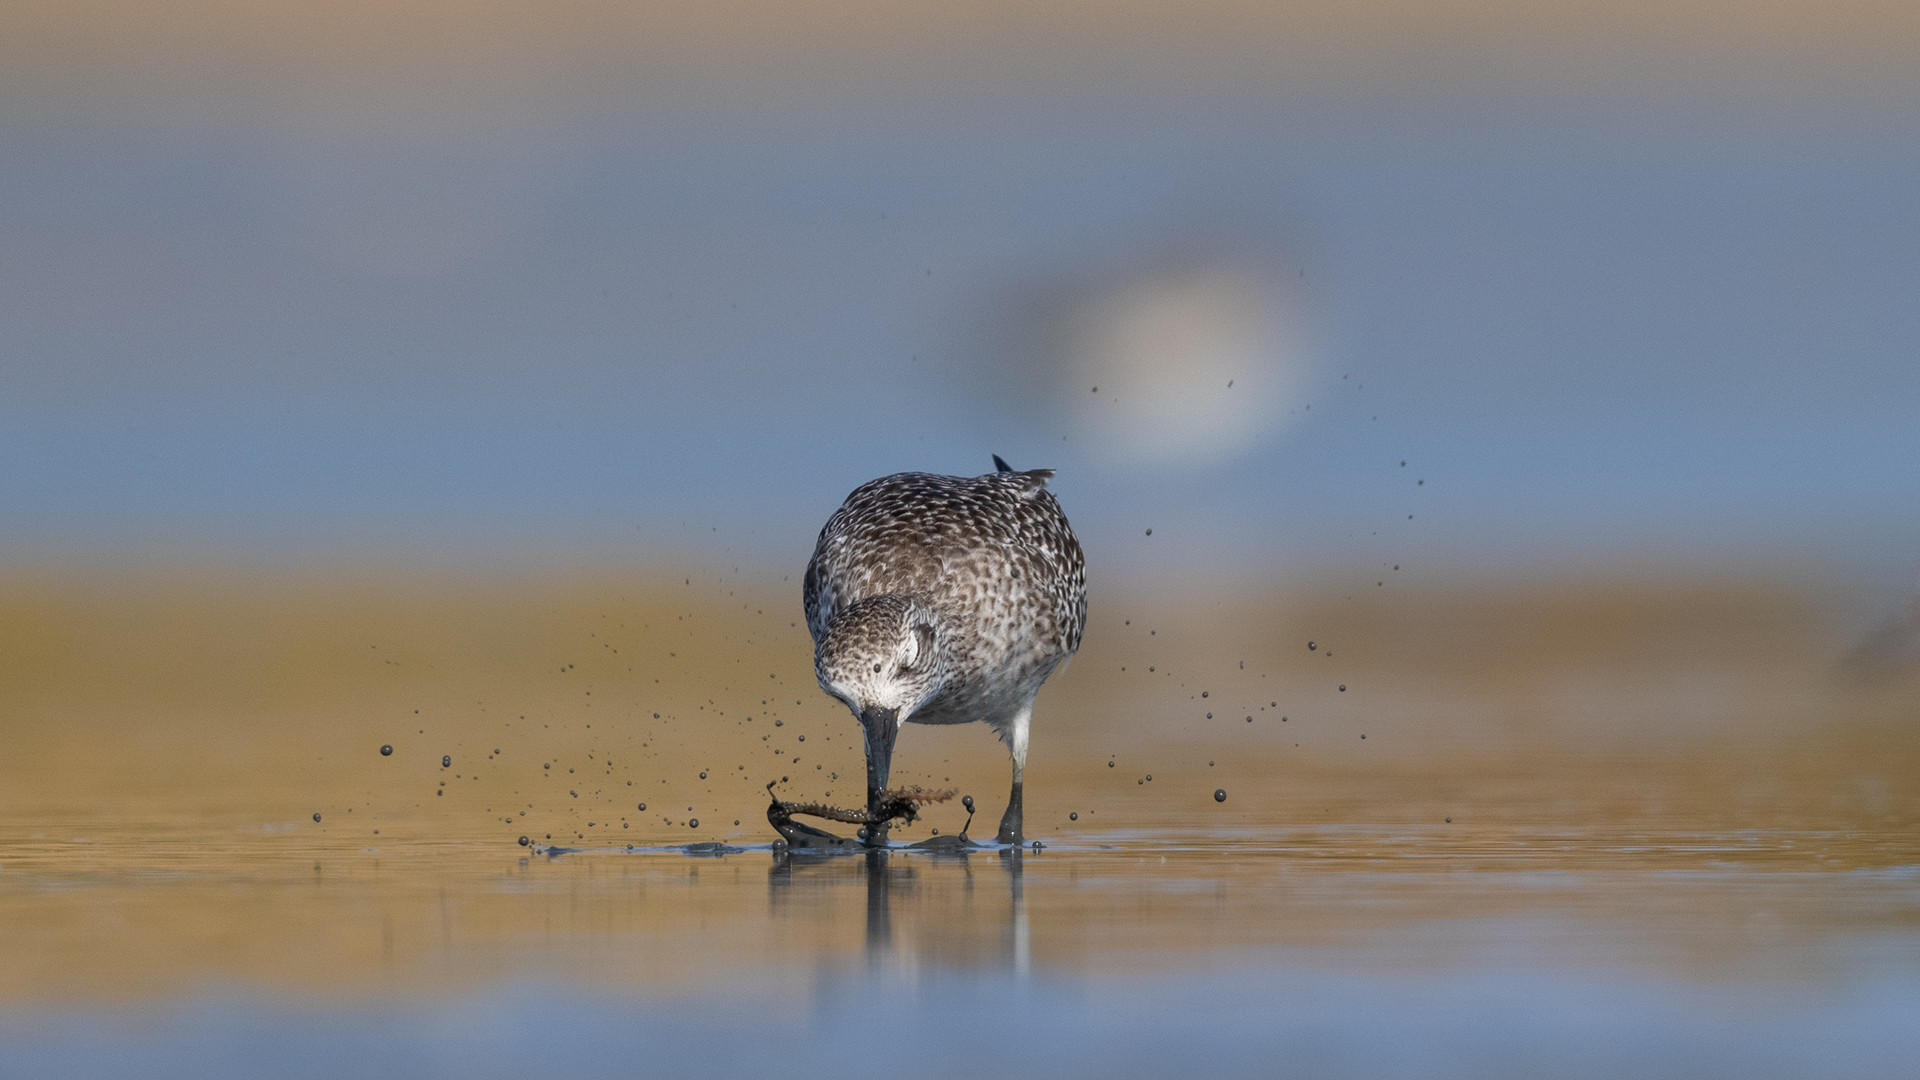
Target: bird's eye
x,y
876,667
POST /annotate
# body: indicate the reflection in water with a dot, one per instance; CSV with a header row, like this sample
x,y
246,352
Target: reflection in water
x,y
947,923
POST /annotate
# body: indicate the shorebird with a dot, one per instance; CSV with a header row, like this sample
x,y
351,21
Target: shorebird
x,y
945,600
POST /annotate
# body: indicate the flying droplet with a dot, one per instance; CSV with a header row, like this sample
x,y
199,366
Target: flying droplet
x,y
693,823
524,841
643,806
1073,817
1149,532
446,761
1343,688
316,817
967,801
1311,646
1220,794
703,776
387,750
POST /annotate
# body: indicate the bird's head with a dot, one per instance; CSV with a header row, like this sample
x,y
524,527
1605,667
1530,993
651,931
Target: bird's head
x,y
882,657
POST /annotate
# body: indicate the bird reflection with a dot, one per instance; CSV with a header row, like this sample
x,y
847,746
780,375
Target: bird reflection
x,y
923,908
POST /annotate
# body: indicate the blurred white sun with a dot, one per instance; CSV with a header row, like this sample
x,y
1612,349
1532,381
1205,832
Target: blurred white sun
x,y
1187,364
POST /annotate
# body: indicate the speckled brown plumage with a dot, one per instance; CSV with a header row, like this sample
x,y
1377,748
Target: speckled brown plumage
x,y
946,600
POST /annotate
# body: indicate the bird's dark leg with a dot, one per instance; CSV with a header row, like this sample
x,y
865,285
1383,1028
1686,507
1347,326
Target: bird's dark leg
x,y
1010,822
882,729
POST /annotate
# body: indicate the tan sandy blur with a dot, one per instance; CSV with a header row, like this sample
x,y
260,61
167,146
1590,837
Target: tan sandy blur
x,y
364,66
171,733
270,696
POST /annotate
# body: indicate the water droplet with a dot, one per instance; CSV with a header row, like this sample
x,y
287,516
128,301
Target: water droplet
x,y
643,806
1149,532
446,761
1073,817
1149,776
387,750
524,841
1109,764
1203,693
1343,688
693,823
779,723
967,801
1219,794
316,817
1311,646
703,776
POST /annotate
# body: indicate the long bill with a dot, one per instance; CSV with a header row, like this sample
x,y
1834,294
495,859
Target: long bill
x,y
882,727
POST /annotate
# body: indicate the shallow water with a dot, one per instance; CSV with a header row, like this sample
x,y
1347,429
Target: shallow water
x,y
1288,951
1723,879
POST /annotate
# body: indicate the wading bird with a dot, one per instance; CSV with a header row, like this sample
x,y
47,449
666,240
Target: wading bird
x,y
945,600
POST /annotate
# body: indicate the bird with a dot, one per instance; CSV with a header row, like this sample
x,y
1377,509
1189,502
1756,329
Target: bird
x,y
945,600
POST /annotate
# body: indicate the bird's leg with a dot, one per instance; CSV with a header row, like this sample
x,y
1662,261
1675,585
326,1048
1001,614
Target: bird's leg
x,y
881,728
1016,735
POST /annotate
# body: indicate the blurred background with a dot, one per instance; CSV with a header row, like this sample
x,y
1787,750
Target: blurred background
x,y
499,285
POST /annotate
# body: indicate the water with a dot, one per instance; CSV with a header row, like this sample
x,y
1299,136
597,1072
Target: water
x,y
1614,835
1324,951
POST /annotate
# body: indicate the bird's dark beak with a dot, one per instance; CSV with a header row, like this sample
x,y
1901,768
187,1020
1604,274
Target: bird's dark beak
x,y
881,725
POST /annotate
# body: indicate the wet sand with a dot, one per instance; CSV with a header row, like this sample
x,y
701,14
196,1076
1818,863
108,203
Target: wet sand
x,y
1595,827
